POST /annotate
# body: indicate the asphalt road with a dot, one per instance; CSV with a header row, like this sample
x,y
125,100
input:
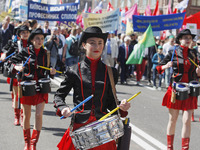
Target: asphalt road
x,y
148,120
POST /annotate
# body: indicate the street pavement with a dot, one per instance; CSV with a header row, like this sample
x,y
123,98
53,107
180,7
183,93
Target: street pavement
x,y
148,120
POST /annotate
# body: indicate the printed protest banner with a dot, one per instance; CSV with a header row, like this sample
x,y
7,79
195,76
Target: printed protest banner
x,y
106,21
158,23
63,12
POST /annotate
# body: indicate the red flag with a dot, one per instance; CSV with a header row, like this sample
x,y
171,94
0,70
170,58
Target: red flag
x,y
156,11
163,35
126,9
61,2
110,7
175,11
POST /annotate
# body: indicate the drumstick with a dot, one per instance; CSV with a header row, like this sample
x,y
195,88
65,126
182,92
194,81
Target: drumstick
x,y
173,53
25,62
48,68
80,104
193,62
114,110
8,56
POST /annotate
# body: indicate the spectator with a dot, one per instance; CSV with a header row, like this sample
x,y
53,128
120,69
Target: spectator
x,y
157,58
151,51
46,28
53,43
5,34
133,39
166,47
110,52
64,31
26,23
10,25
124,52
68,59
140,68
33,24
78,32
60,64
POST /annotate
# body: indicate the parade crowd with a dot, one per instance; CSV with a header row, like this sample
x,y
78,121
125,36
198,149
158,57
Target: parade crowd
x,y
41,46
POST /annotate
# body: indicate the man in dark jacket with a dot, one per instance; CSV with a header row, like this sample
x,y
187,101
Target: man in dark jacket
x,y
124,52
5,34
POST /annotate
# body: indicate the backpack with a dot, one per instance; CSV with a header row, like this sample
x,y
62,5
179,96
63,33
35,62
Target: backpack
x,y
74,48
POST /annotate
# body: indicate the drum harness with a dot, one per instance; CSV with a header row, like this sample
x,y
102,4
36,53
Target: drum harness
x,y
173,96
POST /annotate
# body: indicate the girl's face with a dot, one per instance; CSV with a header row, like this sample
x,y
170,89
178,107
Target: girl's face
x,y
94,47
185,40
38,41
24,35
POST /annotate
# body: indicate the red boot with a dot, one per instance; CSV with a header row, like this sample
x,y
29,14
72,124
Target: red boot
x,y
170,141
21,117
27,139
17,115
34,139
185,143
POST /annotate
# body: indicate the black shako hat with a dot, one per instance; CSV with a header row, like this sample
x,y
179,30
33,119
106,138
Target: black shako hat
x,y
93,31
184,32
22,28
35,32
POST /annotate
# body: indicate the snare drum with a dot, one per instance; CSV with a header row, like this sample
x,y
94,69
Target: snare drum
x,y
98,133
28,88
182,91
44,85
194,88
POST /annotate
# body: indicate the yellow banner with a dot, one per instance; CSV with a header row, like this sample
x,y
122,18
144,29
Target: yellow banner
x,y
106,21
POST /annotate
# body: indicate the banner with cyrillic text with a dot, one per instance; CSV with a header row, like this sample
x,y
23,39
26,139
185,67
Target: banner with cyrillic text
x,y
106,21
158,23
63,12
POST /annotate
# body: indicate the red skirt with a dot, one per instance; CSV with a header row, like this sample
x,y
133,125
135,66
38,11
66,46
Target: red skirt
x,y
188,104
67,144
15,82
34,100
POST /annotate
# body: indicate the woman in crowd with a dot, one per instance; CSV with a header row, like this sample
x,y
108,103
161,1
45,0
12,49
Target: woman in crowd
x,y
183,71
86,78
32,72
23,34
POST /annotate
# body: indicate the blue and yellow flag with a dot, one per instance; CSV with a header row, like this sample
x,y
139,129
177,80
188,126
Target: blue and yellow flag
x,y
10,6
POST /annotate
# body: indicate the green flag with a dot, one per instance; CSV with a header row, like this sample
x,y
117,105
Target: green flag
x,y
147,40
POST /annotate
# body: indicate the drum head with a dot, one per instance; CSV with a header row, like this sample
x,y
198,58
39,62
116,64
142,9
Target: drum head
x,y
181,86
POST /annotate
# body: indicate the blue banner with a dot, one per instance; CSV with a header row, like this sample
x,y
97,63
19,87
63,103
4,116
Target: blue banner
x,y
62,12
158,23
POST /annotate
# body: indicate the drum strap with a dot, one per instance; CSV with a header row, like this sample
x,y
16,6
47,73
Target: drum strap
x,y
110,73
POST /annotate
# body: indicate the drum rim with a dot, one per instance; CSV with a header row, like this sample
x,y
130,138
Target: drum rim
x,y
44,80
194,85
31,82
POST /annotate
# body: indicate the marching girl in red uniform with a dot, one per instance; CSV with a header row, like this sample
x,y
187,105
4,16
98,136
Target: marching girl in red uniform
x,y
183,71
23,34
31,72
86,78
